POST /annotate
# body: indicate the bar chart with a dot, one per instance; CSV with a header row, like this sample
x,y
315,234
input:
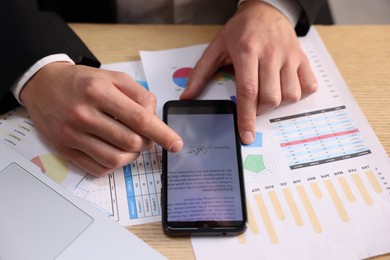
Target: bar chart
x,y
314,203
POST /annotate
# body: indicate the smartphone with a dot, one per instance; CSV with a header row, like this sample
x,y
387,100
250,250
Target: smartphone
x,y
203,185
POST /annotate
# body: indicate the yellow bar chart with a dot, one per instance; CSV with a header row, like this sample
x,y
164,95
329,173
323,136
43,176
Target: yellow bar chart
x,y
299,201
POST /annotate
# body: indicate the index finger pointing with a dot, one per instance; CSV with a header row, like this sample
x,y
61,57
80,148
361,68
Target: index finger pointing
x,y
140,118
247,78
150,126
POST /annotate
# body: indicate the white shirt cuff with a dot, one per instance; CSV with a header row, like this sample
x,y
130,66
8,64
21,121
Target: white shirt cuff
x,y
19,84
289,8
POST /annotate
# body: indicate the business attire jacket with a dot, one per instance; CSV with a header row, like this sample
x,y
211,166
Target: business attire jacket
x,y
33,29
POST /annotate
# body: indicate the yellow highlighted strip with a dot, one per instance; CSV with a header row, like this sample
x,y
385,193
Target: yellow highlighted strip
x,y
362,189
347,190
293,207
374,182
336,201
241,238
267,219
276,204
316,190
309,209
251,224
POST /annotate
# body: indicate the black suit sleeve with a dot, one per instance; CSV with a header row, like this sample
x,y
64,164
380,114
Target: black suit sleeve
x,y
310,10
28,35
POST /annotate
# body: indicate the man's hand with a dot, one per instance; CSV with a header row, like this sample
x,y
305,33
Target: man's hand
x,y
270,66
98,119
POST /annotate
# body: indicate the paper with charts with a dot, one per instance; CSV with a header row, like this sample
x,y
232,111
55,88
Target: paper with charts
x,y
317,179
130,195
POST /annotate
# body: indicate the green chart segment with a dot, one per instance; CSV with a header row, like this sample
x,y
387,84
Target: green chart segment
x,y
254,162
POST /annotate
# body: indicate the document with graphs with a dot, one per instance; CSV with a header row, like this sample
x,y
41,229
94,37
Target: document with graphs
x,y
317,178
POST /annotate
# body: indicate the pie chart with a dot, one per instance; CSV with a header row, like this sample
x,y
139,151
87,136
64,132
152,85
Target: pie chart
x,y
180,77
53,166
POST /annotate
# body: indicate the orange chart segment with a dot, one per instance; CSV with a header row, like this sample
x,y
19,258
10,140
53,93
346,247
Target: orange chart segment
x,y
241,238
253,227
276,204
293,207
362,189
309,209
267,219
346,189
336,200
316,190
374,182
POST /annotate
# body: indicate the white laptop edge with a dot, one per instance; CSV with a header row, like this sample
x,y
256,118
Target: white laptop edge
x,y
102,239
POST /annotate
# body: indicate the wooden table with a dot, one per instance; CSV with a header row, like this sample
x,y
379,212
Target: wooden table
x,y
361,53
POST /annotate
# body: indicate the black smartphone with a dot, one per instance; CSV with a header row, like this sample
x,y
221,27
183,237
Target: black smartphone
x,y
203,185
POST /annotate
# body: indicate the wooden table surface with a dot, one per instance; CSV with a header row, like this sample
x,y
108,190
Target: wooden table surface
x,y
361,53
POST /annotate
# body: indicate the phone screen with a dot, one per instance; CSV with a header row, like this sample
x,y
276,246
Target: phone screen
x,y
203,183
